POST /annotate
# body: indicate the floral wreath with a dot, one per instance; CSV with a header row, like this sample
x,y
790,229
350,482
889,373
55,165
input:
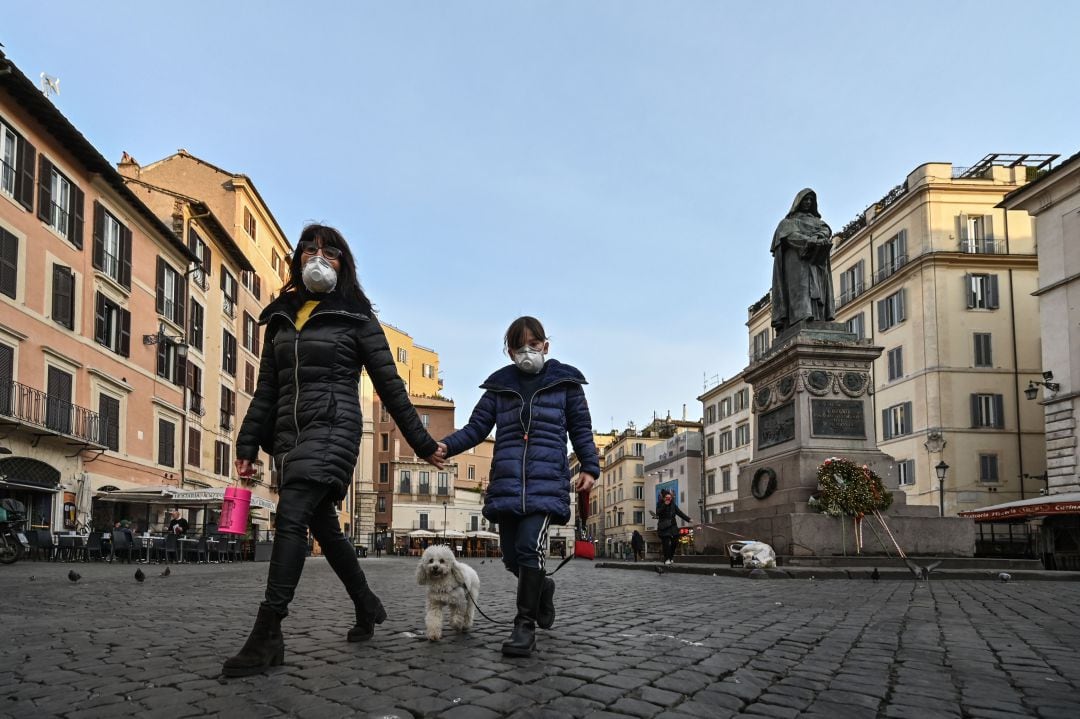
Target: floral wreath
x,y
849,489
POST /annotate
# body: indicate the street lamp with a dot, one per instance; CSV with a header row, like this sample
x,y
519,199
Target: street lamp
x,y
941,469
1033,387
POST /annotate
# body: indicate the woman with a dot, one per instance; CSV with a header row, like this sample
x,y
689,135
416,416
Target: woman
x,y
667,526
533,404
306,415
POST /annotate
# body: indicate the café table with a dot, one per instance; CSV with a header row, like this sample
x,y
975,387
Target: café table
x,y
150,541
186,543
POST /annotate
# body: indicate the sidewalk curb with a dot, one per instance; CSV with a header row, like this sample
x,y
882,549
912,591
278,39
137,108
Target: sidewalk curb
x,y
887,572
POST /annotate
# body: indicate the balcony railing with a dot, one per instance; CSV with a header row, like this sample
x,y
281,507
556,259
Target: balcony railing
x,y
890,268
986,246
405,488
424,489
7,178
444,491
34,407
195,405
851,294
228,306
226,421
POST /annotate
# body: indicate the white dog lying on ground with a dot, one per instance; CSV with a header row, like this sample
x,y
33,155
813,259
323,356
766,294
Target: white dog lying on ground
x,y
447,580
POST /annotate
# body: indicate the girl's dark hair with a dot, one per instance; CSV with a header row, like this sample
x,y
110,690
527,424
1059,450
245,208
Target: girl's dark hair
x,y
515,334
348,285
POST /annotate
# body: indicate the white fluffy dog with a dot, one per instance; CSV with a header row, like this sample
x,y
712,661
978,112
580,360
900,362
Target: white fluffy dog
x,y
446,580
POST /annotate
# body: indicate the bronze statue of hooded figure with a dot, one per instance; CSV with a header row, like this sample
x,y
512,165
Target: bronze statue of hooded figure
x,y
802,272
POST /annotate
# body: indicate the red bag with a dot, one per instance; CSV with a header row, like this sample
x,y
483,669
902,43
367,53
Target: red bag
x,y
583,547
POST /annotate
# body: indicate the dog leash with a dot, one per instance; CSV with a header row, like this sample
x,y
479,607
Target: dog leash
x,y
477,606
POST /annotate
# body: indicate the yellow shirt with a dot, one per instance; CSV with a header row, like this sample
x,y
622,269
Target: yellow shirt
x,y
304,312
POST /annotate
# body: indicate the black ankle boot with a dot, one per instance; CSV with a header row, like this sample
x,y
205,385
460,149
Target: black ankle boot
x,y
369,612
522,639
545,616
264,648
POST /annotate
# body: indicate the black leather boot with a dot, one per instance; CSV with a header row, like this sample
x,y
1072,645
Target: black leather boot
x,y
264,648
522,639
545,617
369,611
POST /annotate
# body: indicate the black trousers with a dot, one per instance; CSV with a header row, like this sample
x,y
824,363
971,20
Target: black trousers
x,y
304,505
668,544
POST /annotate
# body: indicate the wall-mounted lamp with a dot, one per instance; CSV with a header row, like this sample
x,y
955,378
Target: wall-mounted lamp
x,y
161,338
1033,387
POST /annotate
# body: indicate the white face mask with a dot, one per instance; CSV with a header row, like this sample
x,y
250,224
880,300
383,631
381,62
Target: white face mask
x,y
529,360
319,275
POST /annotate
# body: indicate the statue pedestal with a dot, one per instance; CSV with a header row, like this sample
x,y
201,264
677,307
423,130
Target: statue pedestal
x,y
812,399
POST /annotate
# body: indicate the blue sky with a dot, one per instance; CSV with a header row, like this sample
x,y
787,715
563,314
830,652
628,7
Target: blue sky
x,y
614,168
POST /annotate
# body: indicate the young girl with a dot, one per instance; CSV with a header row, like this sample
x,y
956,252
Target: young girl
x,y
533,404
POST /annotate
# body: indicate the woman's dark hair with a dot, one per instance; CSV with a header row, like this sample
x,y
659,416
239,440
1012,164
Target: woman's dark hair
x,y
348,285
515,334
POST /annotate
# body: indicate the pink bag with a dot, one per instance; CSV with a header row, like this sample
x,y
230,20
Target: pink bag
x,y
234,511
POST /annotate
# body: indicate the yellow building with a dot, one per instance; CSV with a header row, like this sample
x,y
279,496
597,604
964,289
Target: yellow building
x,y
728,428
942,278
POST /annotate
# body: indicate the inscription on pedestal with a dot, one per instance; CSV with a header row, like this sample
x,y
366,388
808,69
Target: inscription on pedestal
x,y
776,426
837,418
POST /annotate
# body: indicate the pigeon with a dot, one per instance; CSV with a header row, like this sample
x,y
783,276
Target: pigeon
x,y
922,572
659,570
74,576
1004,576
167,572
139,576
32,577
875,575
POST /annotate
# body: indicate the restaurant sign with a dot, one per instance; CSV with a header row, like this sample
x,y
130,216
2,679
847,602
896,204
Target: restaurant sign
x,y
1028,510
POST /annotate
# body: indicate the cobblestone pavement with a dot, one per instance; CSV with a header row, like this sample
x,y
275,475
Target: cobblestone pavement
x,y
625,644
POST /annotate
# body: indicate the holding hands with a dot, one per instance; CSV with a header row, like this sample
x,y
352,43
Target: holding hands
x,y
438,459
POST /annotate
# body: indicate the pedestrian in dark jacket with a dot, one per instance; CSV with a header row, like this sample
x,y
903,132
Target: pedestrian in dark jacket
x,y
305,413
637,543
533,405
667,526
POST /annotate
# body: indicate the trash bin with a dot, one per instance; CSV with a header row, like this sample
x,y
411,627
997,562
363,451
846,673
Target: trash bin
x,y
361,551
263,550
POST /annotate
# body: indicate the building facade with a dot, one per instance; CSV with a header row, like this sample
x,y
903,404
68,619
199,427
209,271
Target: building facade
x,y
943,279
728,429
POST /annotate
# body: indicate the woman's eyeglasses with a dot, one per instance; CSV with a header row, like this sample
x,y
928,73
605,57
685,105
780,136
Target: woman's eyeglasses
x,y
312,248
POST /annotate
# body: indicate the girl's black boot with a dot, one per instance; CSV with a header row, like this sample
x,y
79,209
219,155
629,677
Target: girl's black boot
x,y
265,647
522,639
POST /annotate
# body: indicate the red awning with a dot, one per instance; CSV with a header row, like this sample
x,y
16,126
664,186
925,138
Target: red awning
x,y
1065,503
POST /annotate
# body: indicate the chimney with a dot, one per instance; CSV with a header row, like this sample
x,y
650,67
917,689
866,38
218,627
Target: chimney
x,y
684,412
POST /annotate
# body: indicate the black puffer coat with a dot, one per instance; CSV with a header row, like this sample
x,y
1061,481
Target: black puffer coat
x,y
306,409
666,524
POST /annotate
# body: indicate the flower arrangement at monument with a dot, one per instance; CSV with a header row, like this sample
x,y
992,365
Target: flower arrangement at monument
x,y
849,489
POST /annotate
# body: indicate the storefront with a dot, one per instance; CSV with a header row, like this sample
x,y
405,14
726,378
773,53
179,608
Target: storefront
x,y
36,485
1051,525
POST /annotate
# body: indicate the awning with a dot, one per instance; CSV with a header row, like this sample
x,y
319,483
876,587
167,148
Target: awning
x,y
32,487
175,497
452,534
422,534
1064,503
481,534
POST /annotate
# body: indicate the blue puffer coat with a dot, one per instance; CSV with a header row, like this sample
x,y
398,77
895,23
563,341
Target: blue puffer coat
x,y
530,472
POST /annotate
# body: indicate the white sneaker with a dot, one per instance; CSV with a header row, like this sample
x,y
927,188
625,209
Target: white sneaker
x,y
668,561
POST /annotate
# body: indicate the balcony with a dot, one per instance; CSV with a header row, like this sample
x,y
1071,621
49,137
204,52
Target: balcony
x,y
424,489
195,405
228,306
851,294
443,491
405,488
890,268
982,246
57,417
226,421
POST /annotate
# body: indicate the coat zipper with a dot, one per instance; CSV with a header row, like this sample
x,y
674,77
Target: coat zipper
x,y
527,426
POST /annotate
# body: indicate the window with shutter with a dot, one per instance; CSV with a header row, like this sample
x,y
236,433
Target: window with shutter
x,y
194,448
7,378
109,422
9,263
195,326
249,378
17,158
63,296
58,407
228,353
988,468
896,363
166,443
906,472
983,350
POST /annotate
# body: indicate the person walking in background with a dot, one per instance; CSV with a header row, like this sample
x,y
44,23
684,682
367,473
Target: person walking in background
x,y
533,405
637,543
305,413
667,524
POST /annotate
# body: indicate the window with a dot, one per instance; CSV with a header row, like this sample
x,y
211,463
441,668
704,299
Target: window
x,y
896,420
639,491
444,483
742,435
112,246
252,282
424,482
896,363
988,410
228,293
710,483
16,166
725,408
761,344
63,296
892,255
402,355
381,504
384,440
852,283
710,445
9,263
200,250
194,385
725,441
112,325
250,226
725,480
710,414
168,362
166,442
891,310
857,326
988,468
982,292
109,411
170,293
406,482
742,399
196,326
249,378
60,203
228,407
471,472
228,352
424,522
58,407
424,419
639,449
251,334
976,233
384,414
384,472
983,354
275,260
194,447
905,472
639,516
428,371
222,452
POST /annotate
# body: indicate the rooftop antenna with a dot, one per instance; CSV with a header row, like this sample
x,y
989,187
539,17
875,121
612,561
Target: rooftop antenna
x,y
50,85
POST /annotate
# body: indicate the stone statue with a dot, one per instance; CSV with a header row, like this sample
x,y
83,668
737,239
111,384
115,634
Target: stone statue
x,y
802,273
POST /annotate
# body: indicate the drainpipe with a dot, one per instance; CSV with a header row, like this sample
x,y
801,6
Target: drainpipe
x,y
184,390
1016,365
